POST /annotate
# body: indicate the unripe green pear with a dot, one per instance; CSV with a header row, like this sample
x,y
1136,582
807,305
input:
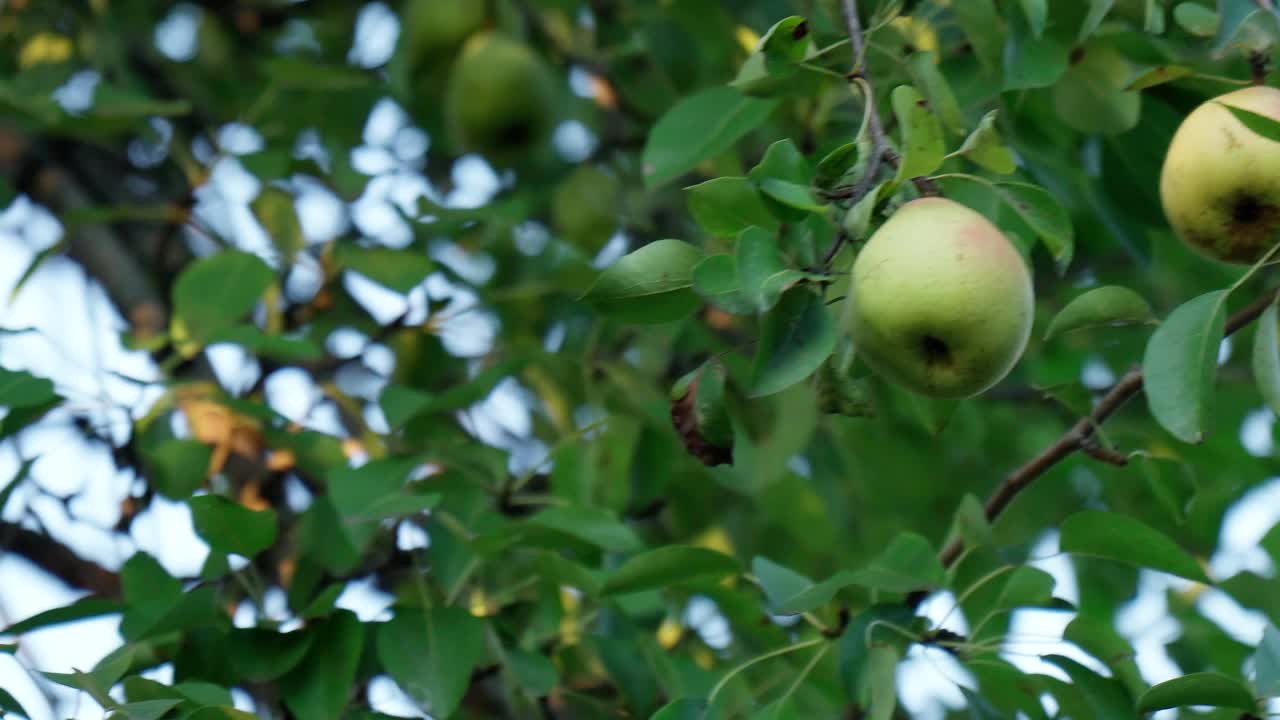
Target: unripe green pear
x,y
441,26
501,98
584,208
942,302
1220,184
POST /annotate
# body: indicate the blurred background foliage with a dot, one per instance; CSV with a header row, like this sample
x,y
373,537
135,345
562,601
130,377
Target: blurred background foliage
x,y
338,254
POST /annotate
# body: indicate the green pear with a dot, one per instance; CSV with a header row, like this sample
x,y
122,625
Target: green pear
x,y
434,27
584,208
941,301
500,101
1220,184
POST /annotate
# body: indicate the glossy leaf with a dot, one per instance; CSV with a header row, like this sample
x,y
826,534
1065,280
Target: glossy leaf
x,y
1105,306
682,137
651,285
231,527
796,338
726,206
431,653
667,566
1205,688
1180,365
1122,538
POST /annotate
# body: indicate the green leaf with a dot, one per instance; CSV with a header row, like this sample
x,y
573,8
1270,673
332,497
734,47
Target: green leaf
x,y
10,704
726,206
1105,697
399,270
363,495
779,583
178,467
532,671
593,525
1266,358
926,75
1266,663
922,146
667,566
971,522
1232,15
20,389
1098,10
651,285
1032,61
985,148
715,279
1180,365
81,609
260,654
683,709
146,709
796,338
1203,688
882,672
231,527
782,161
984,29
321,684
875,626
762,272
278,347
222,713
1110,305
1170,483
278,215
1196,19
431,653
1037,13
1091,96
1158,75
792,195
1026,587
1267,127
698,127
907,564
1119,537
213,293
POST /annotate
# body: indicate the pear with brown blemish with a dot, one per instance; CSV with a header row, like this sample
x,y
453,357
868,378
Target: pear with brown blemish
x,y
942,302
1220,184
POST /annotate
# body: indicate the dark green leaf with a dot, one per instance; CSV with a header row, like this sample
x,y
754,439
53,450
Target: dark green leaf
x,y
667,566
1265,126
260,654
431,653
796,338
728,205
1266,358
21,389
231,527
698,127
593,525
908,563
1110,305
1205,688
922,145
146,709
213,293
81,609
320,686
715,279
399,270
651,285
1180,365
1122,538
1159,75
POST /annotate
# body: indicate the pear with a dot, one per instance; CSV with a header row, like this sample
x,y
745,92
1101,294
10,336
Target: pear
x,y
584,208
500,99
941,301
1220,184
434,27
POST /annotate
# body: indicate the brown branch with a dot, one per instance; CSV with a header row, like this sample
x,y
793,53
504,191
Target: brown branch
x,y
59,560
1078,436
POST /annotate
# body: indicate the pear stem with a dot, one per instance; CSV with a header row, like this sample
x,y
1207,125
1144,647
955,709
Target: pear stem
x,y
1078,438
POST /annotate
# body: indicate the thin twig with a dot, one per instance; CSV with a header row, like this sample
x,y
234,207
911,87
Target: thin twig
x,y
1078,436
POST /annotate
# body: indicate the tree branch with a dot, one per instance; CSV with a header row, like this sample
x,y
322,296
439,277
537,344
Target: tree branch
x,y
1078,436
58,560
